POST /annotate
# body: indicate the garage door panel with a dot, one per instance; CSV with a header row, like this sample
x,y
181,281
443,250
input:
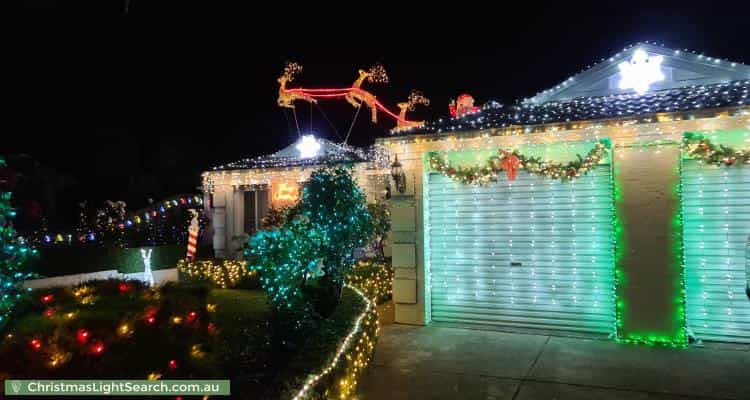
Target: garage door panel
x,y
533,253
716,212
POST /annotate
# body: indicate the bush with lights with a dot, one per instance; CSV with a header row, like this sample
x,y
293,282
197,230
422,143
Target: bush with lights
x,y
14,254
303,262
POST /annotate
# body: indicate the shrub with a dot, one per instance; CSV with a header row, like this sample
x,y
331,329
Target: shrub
x,y
226,274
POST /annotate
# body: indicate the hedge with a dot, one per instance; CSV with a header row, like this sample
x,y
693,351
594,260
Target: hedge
x,y
62,260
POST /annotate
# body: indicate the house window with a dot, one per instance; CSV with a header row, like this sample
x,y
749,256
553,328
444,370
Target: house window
x,y
256,207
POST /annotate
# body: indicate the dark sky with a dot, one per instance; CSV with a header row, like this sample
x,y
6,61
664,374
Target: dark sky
x,y
174,87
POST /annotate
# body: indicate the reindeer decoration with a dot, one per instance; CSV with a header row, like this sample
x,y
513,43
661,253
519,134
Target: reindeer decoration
x,y
415,97
288,97
357,96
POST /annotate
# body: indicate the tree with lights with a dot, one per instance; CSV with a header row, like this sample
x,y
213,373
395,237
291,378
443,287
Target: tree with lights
x,y
13,253
303,262
337,207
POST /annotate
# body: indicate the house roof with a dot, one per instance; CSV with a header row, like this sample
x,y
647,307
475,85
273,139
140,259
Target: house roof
x,y
290,156
689,82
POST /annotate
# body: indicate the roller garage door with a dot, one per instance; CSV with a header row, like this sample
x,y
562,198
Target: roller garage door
x,y
532,253
716,213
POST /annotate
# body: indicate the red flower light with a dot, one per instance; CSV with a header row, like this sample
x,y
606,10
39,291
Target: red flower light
x,y
124,287
48,298
82,336
150,320
192,316
211,328
182,200
173,364
97,347
35,344
49,312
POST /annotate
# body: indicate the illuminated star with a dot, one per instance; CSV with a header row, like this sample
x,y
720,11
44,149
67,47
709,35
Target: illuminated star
x,y
308,146
640,72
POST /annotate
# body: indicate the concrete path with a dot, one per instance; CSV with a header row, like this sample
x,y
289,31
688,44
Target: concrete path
x,y
451,363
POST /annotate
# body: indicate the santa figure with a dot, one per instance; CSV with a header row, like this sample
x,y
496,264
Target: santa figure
x,y
464,104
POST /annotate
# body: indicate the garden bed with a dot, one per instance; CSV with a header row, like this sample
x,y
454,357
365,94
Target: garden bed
x,y
191,329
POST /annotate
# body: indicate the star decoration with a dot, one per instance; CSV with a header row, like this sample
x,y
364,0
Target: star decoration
x,y
640,72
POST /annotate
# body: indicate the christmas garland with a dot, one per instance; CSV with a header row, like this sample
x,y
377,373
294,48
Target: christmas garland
x,y
700,148
510,162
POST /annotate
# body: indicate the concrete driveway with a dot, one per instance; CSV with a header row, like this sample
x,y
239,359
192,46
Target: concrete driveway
x,y
451,363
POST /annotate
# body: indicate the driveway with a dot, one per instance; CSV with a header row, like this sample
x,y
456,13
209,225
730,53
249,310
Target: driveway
x,y
437,362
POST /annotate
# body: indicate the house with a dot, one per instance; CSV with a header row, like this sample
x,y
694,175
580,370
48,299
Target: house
x,y
602,206
239,194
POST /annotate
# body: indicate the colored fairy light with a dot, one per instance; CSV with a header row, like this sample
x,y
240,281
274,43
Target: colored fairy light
x,y
82,336
97,347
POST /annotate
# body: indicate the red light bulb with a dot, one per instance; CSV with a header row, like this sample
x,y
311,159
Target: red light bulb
x,y
97,347
192,316
82,336
124,287
35,344
48,298
173,364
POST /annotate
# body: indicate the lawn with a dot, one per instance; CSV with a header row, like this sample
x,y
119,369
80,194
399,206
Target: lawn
x,y
120,329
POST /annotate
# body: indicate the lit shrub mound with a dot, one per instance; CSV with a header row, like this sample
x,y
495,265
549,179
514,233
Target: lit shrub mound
x,y
374,279
226,274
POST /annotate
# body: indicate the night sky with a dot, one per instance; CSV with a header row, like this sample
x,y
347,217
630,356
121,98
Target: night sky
x,y
132,105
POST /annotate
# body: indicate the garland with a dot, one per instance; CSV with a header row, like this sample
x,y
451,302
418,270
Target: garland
x,y
698,147
510,162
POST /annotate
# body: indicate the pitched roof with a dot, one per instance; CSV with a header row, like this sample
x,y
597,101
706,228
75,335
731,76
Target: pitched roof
x,y
690,82
329,153
496,115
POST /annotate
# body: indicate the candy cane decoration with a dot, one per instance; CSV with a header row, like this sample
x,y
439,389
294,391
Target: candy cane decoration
x,y
193,231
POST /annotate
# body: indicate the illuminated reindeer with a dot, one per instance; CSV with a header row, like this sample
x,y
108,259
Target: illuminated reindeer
x,y
415,97
357,96
287,97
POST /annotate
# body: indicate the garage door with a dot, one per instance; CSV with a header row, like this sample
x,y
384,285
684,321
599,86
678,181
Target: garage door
x,y
532,253
716,213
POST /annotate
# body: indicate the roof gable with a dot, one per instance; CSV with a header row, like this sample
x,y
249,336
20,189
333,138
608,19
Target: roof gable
x,y
679,69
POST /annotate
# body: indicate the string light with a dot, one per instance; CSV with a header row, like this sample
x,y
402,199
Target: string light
x,y
226,274
117,227
531,252
353,354
715,230
530,117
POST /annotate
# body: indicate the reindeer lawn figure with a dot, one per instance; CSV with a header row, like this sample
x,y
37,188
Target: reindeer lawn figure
x,y
415,97
288,97
357,96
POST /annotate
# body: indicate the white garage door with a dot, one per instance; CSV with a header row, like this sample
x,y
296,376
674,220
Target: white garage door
x,y
532,253
716,214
